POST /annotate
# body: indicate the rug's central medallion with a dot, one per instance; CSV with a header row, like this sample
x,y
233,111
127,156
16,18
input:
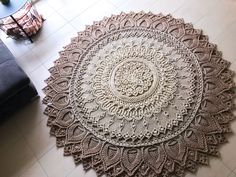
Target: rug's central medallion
x,y
136,91
133,80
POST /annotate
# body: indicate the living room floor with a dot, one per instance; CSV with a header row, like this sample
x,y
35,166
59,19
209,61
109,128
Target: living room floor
x,y
26,149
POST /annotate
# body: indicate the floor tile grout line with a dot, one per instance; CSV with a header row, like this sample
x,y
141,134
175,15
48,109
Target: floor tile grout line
x,y
43,65
44,170
49,149
232,170
225,165
89,8
181,6
46,153
113,3
32,152
79,13
42,157
92,21
231,174
24,62
51,6
24,137
76,165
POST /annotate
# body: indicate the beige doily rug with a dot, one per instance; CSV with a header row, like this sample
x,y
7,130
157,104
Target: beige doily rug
x,y
140,94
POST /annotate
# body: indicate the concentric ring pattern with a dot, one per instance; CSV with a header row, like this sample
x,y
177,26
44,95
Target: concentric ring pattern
x,y
140,94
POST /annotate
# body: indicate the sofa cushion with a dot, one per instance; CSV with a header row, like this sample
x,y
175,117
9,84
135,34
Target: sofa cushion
x,y
12,79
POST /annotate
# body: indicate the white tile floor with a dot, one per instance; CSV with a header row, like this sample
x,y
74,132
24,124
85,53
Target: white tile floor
x,y
26,149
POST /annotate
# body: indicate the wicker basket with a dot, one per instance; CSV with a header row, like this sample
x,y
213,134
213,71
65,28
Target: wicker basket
x,y
28,18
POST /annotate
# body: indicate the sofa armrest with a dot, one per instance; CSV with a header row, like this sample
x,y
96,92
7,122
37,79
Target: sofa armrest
x,y
5,53
12,79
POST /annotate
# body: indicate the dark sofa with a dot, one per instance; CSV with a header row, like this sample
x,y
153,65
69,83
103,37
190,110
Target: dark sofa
x,y
16,89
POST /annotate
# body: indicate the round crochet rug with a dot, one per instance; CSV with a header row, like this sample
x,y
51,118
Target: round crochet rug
x,y
140,94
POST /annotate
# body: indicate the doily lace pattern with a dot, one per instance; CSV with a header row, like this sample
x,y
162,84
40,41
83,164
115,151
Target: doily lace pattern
x,y
140,94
